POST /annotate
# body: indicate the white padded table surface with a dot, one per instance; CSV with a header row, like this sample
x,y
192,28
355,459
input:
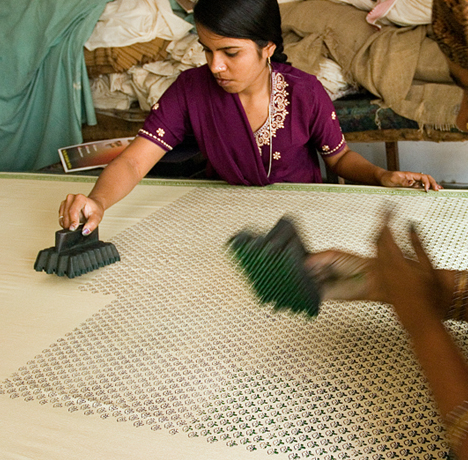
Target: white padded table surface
x,y
168,355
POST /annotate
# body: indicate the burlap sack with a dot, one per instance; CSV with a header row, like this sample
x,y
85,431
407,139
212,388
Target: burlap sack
x,y
399,65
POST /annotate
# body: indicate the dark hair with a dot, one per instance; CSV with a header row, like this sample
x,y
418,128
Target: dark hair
x,y
256,20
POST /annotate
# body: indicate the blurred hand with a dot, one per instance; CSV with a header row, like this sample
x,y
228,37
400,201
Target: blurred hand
x,y
343,276
390,278
417,291
76,209
409,179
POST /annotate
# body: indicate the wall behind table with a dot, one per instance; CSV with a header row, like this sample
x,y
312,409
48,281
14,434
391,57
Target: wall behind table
x,y
446,161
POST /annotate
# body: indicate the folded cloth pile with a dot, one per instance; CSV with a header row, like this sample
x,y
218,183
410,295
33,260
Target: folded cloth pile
x,y
126,22
402,66
114,60
146,83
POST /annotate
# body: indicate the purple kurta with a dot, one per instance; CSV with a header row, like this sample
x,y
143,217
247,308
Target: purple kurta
x,y
303,121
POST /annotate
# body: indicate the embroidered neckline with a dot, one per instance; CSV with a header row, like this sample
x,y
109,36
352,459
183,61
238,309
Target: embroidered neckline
x,y
279,102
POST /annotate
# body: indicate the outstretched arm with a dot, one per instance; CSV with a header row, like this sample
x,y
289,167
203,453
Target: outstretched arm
x,y
345,276
411,290
422,298
352,166
115,182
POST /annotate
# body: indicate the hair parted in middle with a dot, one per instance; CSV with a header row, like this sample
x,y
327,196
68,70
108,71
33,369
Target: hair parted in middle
x,y
256,20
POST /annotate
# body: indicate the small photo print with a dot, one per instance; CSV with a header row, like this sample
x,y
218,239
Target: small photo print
x,y
92,155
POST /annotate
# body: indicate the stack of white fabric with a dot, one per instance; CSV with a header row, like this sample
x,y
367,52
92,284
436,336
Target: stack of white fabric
x,y
124,23
148,82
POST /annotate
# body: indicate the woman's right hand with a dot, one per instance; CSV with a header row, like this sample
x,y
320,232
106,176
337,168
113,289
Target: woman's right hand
x,y
76,209
115,182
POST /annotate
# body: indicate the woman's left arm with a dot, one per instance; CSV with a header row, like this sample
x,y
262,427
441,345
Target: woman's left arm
x,y
352,166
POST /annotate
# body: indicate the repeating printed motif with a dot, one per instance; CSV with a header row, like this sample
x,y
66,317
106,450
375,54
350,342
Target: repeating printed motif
x,y
187,349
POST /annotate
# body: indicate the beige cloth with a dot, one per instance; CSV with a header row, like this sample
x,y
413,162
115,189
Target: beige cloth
x,y
399,65
37,308
351,368
30,220
126,22
110,60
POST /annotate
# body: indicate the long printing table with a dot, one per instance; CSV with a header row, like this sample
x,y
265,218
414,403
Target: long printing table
x,y
168,355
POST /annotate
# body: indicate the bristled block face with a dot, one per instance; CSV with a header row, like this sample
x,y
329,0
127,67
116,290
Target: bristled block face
x,y
274,265
75,254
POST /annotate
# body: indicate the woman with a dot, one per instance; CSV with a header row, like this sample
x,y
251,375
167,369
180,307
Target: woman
x,y
257,119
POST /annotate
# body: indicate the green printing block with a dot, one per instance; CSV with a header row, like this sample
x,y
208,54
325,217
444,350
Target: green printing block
x,y
274,265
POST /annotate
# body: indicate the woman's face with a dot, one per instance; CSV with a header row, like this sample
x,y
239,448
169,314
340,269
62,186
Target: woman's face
x,y
238,65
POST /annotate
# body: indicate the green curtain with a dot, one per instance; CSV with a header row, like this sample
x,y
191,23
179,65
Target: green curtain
x,y
44,89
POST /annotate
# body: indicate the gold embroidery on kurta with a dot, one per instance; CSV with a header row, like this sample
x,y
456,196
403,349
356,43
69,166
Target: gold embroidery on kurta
x,y
143,131
279,103
326,150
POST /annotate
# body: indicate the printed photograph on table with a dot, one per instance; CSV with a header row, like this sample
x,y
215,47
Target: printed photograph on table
x,y
92,155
